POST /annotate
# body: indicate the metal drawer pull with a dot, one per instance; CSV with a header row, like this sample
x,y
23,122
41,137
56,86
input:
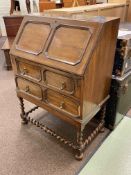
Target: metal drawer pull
x,y
62,105
63,85
27,89
24,71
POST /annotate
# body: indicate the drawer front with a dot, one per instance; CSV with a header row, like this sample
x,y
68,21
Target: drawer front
x,y
30,71
61,83
62,103
29,88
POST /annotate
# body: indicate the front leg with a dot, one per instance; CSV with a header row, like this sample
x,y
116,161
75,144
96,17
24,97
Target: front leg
x,y
80,151
102,117
23,114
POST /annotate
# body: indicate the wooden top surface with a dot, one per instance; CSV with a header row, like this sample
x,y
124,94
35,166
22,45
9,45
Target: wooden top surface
x,y
87,7
65,44
118,1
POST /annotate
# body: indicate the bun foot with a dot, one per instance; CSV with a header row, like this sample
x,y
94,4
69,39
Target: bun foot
x,y
24,121
79,156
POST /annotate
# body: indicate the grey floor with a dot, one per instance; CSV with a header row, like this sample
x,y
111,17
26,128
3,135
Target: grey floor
x,y
114,156
26,150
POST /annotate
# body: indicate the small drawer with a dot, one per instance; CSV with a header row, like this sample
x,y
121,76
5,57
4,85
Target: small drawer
x,y
60,82
29,88
62,103
30,71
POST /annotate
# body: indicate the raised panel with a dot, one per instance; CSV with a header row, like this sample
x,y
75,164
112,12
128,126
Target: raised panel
x,y
68,44
33,37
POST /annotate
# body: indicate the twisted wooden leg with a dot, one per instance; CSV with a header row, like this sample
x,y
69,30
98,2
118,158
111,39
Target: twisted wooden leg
x,y
102,117
23,114
80,151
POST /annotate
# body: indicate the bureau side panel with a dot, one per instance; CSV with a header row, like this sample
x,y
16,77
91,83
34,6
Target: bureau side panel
x,y
97,76
13,62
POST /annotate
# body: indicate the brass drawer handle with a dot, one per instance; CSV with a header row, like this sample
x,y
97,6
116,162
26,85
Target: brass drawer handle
x,y
27,89
62,105
63,85
25,71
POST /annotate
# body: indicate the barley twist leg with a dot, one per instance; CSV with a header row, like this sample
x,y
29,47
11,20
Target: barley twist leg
x,y
23,114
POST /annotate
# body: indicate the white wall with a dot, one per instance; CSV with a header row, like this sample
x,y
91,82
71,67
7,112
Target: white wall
x,y
4,10
4,7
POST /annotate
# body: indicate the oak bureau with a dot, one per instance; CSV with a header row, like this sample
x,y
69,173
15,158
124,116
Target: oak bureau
x,y
65,66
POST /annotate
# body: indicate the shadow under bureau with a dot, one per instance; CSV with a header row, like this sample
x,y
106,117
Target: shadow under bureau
x,y
65,66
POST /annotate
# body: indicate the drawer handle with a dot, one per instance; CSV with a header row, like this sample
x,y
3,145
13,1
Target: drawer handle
x,y
62,105
63,85
27,89
24,71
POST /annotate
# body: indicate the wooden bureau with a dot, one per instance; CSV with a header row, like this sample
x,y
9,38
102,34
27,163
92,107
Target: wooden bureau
x,y
65,66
